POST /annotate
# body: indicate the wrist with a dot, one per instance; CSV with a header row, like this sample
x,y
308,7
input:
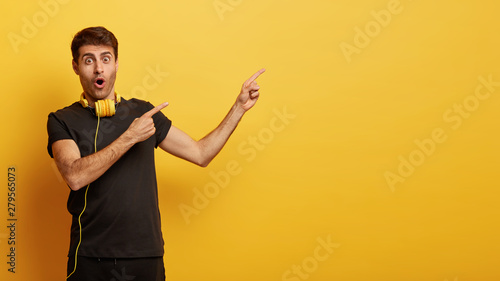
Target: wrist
x,y
239,109
127,139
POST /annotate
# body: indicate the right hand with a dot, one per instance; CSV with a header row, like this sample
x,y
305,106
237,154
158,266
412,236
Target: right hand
x,y
142,128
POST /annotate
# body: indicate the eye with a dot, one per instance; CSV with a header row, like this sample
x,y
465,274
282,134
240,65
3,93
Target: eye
x,y
89,60
106,59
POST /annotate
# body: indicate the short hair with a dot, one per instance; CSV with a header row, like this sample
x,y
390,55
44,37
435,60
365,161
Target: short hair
x,y
97,36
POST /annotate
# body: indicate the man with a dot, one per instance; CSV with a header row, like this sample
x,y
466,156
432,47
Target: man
x,y
104,150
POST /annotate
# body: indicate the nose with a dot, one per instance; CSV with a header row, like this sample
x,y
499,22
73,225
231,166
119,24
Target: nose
x,y
98,67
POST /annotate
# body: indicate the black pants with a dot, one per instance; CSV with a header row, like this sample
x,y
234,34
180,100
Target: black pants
x,y
105,269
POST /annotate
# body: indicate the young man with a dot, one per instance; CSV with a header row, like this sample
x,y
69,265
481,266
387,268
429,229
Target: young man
x,y
104,149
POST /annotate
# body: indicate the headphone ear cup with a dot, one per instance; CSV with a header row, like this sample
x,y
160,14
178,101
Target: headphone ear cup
x,y
107,108
98,108
103,108
112,107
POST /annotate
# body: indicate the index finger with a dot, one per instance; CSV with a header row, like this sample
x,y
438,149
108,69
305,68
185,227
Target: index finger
x,y
155,110
257,74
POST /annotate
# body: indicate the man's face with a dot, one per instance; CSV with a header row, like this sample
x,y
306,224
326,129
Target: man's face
x,y
97,67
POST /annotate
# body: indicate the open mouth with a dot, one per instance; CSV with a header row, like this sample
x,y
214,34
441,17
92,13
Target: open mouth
x,y
99,82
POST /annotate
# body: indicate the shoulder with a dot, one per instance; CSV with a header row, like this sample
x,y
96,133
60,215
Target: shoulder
x,y
73,111
137,104
138,107
74,108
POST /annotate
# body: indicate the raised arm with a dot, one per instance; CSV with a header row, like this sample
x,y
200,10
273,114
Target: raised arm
x,y
80,171
203,151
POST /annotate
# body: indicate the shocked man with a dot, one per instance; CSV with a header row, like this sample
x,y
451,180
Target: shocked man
x,y
103,146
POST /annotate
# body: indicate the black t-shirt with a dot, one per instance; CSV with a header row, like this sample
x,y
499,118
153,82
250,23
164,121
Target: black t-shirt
x,y
122,218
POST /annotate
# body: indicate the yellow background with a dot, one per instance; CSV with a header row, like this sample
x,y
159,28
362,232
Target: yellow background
x,y
320,175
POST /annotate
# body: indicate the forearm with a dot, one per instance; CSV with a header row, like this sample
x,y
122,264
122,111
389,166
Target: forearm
x,y
82,171
212,144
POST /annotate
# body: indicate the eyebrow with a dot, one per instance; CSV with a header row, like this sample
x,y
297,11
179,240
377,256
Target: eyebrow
x,y
102,54
106,53
87,55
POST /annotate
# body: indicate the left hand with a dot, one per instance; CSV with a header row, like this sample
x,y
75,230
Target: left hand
x,y
249,92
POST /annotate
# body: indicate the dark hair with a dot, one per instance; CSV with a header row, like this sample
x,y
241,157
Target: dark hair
x,y
97,36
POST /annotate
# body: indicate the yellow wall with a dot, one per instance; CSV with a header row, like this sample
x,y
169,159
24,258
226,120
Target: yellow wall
x,y
372,154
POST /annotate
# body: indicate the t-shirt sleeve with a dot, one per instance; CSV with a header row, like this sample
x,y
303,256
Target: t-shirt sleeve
x,y
162,125
56,130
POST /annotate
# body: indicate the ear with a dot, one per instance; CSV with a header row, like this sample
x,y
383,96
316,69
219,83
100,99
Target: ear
x,y
116,64
75,67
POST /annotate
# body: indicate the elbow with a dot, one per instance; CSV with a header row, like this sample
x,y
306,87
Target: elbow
x,y
74,183
203,159
75,187
203,163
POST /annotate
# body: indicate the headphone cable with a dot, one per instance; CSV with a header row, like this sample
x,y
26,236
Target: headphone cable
x,y
85,203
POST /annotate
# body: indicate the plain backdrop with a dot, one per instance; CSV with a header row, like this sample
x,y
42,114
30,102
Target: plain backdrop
x,y
371,155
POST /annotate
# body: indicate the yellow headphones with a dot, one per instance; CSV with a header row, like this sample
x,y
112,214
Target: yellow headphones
x,y
103,108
